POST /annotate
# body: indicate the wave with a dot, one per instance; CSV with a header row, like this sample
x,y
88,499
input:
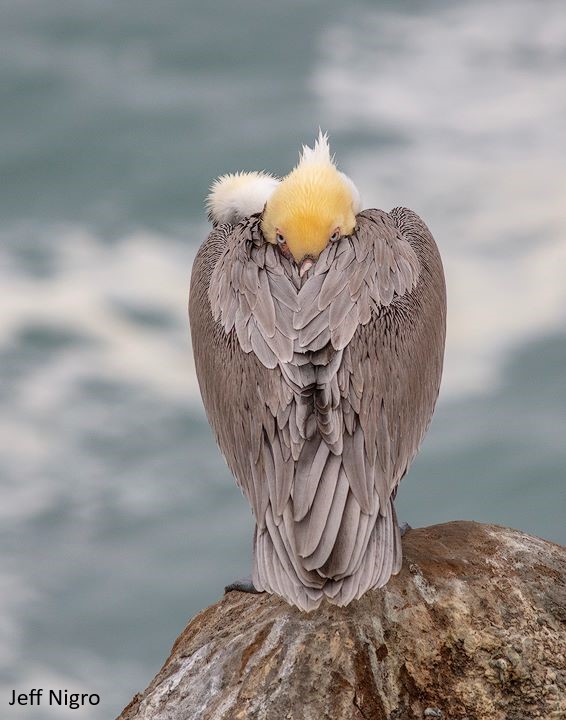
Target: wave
x,y
116,311
460,115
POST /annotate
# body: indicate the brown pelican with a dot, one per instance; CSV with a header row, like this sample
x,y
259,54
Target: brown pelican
x,y
318,335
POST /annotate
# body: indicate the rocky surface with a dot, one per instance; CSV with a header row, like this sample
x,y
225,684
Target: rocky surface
x,y
473,627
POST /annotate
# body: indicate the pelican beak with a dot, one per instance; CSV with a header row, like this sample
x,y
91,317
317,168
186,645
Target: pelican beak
x,y
305,265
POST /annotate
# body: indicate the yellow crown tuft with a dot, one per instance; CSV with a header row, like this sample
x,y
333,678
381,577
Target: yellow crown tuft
x,y
309,204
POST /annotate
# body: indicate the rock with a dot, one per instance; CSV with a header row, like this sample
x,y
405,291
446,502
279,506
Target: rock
x,y
473,627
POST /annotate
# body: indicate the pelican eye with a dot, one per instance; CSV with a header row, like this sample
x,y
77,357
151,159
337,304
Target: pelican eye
x,y
335,235
280,239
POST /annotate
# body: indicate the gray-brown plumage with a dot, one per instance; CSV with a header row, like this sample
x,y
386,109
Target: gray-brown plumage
x,y
320,389
319,417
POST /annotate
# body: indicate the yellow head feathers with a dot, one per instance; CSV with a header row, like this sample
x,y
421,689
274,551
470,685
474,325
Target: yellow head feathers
x,y
313,205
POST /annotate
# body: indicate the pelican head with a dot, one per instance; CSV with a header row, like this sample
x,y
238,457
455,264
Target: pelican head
x,y
314,205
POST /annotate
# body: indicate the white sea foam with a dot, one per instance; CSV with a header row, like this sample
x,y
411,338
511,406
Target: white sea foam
x,y
93,281
123,308
472,102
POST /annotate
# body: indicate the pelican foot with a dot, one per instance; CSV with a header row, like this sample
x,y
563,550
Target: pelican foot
x,y
403,527
244,584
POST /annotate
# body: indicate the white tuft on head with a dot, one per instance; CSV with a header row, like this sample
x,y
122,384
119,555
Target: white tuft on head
x,y
236,196
356,197
319,154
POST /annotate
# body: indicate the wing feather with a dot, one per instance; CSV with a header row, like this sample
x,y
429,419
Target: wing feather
x,y
332,525
309,530
344,545
264,308
309,470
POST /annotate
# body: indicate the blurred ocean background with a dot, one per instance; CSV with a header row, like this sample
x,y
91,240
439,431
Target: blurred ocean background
x,y
118,517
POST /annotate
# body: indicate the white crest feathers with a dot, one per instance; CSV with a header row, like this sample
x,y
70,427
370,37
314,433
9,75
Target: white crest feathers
x,y
319,154
235,196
